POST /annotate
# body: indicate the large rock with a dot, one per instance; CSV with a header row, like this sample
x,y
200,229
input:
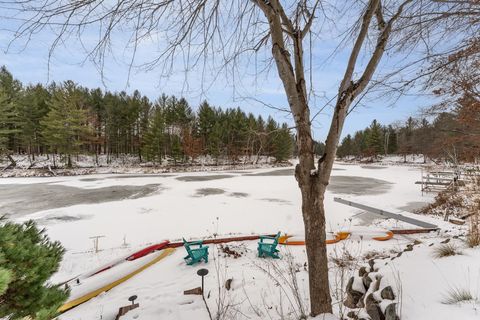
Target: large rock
x,y
374,312
352,315
372,308
353,296
376,285
366,281
370,299
391,312
387,293
362,271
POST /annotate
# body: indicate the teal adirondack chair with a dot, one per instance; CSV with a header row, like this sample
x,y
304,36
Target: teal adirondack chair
x,y
267,246
195,254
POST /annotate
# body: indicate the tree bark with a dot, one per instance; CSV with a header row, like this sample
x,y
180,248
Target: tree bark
x,y
313,212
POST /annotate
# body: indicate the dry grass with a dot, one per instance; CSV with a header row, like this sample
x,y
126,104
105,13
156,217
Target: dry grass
x,y
458,295
445,201
473,236
446,250
345,260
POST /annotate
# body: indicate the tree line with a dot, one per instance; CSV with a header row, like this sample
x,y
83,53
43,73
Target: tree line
x,y
65,120
443,137
450,129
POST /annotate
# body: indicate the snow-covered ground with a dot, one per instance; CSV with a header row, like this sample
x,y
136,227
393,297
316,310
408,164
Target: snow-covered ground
x,y
203,205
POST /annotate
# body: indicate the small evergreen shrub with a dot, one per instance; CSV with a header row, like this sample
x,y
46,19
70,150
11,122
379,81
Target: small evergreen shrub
x,y
28,259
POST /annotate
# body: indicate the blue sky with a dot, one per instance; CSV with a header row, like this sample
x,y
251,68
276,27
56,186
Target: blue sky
x,y
30,65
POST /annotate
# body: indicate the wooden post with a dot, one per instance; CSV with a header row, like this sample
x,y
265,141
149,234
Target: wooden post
x,y
95,242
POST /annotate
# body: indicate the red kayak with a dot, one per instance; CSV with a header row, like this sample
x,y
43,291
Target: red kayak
x,y
147,250
133,256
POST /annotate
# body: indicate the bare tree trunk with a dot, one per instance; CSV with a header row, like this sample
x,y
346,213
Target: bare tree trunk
x,y
314,222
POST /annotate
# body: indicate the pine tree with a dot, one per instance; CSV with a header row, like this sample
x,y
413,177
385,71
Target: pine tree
x,y
31,259
392,140
270,129
375,139
9,85
10,91
207,117
176,149
346,147
8,121
282,144
97,112
65,124
143,122
154,144
237,124
215,144
407,138
33,107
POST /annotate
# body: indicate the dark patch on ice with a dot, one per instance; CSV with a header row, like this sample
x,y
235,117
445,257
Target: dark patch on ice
x,y
276,200
366,218
128,177
20,199
64,218
413,206
208,192
358,185
204,178
373,167
238,194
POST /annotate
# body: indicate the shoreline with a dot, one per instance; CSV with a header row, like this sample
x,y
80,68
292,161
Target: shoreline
x,y
139,169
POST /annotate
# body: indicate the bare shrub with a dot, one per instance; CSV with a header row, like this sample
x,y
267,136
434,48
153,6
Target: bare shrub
x,y
345,264
226,307
284,274
473,236
445,201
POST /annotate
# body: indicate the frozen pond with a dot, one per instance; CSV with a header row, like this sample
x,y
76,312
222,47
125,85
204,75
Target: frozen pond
x,y
148,208
20,199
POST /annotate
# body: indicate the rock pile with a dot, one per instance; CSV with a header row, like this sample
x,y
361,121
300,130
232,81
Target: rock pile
x,y
370,297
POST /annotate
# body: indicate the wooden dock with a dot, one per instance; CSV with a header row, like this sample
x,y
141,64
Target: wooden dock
x,y
437,181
